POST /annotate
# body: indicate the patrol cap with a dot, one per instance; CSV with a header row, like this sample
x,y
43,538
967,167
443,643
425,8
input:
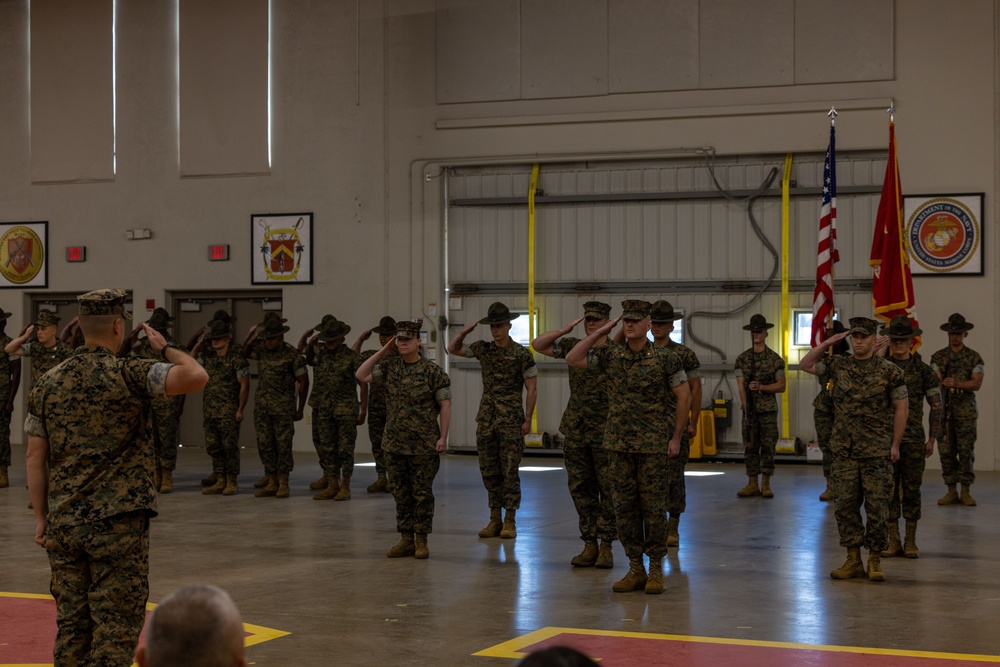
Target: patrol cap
x,y
386,326
662,312
273,327
334,329
900,327
597,309
863,325
160,319
498,313
758,323
46,318
956,324
635,309
218,329
103,302
407,329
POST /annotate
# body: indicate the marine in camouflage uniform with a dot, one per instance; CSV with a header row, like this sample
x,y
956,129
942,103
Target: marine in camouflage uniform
x,y
870,406
502,421
419,394
823,410
588,469
337,412
47,352
648,402
90,472
376,402
10,380
760,374
961,370
282,388
166,410
908,472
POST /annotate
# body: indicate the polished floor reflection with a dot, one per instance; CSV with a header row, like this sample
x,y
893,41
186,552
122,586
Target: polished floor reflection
x,y
747,569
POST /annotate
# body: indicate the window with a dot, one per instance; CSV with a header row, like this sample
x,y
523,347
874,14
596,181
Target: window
x,y
519,327
802,327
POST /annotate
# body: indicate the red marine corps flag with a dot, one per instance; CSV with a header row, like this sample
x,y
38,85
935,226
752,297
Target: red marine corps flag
x,y
892,287
826,255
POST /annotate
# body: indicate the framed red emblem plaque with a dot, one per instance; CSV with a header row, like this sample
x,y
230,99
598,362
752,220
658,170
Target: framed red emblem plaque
x,y
282,248
24,260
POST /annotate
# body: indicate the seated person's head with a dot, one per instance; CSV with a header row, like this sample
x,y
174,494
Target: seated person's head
x,y
196,626
557,656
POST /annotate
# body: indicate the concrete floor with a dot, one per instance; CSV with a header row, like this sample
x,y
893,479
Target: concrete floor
x,y
747,569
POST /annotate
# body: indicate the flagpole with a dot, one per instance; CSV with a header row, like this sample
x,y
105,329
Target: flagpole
x,y
832,113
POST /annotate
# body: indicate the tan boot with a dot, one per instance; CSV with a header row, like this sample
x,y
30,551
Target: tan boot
x,y
852,567
269,489
320,483
492,529
4,478
894,548
379,485
210,480
166,480
654,582
509,530
634,579
232,485
827,495
605,556
218,487
910,549
261,483
283,490
421,551
587,557
344,492
875,567
950,498
765,486
673,536
404,547
751,489
966,499
331,490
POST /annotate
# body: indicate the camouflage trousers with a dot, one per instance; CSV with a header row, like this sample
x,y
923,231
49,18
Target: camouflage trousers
x,y
412,481
907,475
100,581
958,452
334,437
824,428
677,495
588,474
222,442
857,482
759,455
165,423
274,442
376,429
640,486
4,437
500,449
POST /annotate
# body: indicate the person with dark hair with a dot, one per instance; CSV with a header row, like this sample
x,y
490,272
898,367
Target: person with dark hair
x,y
823,407
46,351
386,329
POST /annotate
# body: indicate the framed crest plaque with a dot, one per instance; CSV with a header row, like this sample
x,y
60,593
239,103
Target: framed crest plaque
x,y
281,247
24,257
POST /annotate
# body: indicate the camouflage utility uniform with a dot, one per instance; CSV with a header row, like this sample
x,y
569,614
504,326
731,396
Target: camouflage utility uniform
x,y
677,499
414,392
165,411
94,414
863,394
588,468
377,414
958,444
641,418
500,416
5,392
43,359
219,406
908,472
823,420
274,404
334,401
763,367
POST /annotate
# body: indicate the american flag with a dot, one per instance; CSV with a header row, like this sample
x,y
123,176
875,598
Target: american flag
x,y
826,254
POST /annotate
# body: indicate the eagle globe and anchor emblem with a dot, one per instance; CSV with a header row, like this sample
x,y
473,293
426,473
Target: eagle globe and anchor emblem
x,y
282,251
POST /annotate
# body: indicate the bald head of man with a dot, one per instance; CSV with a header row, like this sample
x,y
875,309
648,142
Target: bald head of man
x,y
196,626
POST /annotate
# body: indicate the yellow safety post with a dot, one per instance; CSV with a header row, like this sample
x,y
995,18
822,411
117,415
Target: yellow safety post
x,y
532,188
786,329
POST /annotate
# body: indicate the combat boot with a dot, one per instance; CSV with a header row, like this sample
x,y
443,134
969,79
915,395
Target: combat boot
x,y
751,489
910,549
509,530
211,479
269,489
634,579
283,491
852,567
827,495
320,483
605,556
966,499
492,529
404,547
4,479
232,486
344,492
379,485
166,480
654,582
158,478
261,483
218,487
421,552
950,498
875,567
331,490
765,486
673,537
587,557
894,548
